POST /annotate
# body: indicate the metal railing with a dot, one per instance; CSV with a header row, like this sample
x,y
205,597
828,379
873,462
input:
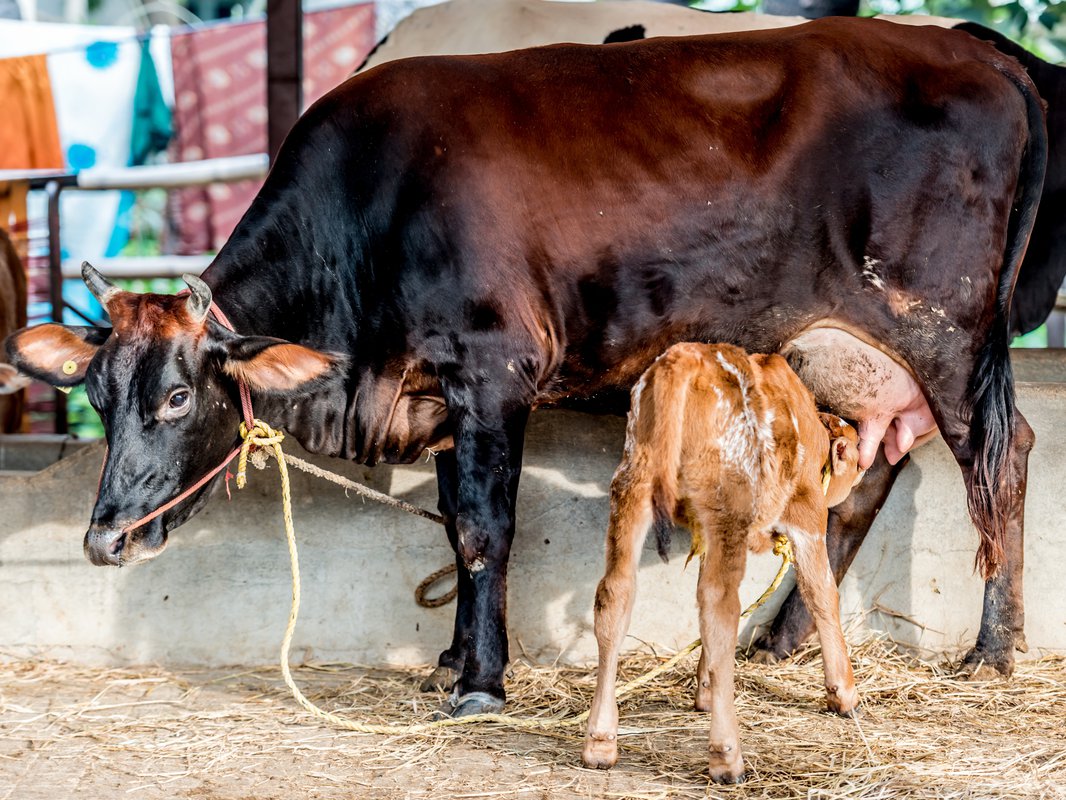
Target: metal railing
x,y
160,176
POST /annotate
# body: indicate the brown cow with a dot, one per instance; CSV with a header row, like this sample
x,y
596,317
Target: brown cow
x,y
12,317
731,446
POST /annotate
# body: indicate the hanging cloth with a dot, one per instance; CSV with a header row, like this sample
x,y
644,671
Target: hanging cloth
x,y
152,126
29,135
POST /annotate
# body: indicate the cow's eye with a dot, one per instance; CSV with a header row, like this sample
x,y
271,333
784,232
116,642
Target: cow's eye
x,y
177,404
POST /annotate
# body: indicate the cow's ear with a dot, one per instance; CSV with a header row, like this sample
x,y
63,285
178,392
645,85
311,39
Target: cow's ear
x,y
275,366
57,354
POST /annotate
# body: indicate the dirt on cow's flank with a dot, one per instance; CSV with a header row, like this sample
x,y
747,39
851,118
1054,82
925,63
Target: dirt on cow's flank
x,y
69,731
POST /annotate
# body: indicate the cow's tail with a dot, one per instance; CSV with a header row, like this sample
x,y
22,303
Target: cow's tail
x,y
659,403
991,394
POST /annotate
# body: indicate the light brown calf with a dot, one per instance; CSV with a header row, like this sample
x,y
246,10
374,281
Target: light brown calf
x,y
731,446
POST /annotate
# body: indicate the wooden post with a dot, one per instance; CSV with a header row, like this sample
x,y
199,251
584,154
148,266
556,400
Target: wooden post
x,y
284,69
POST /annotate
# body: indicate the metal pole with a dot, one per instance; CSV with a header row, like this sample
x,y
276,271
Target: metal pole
x,y
284,70
55,285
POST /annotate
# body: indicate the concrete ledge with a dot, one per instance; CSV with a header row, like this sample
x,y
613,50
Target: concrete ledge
x,y
220,594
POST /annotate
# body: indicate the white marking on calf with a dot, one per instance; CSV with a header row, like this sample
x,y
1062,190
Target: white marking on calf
x,y
795,534
634,412
741,442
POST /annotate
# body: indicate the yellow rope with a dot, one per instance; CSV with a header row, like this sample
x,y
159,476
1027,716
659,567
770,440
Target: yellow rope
x,y
262,435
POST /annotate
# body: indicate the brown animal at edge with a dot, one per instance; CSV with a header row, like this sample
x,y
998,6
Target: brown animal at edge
x,y
732,446
12,317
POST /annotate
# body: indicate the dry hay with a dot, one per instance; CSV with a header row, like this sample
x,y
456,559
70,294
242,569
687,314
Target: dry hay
x,y
156,733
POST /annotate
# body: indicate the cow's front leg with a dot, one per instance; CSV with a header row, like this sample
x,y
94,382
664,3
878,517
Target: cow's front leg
x,y
450,663
1003,615
849,523
488,435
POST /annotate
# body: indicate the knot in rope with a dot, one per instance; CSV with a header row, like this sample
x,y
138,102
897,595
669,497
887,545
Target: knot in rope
x,y
783,548
260,435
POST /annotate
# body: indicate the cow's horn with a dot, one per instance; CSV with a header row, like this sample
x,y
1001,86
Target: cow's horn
x,y
199,302
102,289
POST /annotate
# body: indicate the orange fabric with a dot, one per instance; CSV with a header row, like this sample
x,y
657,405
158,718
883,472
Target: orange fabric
x,y
29,135
13,217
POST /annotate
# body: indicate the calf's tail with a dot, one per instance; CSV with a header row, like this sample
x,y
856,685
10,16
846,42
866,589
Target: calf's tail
x,y
659,425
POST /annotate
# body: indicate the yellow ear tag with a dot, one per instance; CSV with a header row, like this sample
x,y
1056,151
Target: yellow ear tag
x,y
827,475
69,367
63,389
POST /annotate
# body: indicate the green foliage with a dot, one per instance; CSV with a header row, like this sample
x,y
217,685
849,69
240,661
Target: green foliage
x,y
1037,25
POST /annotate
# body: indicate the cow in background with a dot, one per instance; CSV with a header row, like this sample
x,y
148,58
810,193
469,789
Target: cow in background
x,y
732,447
12,317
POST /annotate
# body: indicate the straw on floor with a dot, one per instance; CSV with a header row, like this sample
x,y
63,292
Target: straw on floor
x,y
922,733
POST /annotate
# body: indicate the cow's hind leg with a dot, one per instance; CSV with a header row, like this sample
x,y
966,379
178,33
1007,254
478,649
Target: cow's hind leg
x,y
631,516
848,525
450,663
721,569
1003,615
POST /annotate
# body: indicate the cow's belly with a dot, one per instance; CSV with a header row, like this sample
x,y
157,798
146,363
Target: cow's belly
x,y
858,381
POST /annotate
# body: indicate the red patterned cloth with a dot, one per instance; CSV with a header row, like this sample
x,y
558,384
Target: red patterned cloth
x,y
220,107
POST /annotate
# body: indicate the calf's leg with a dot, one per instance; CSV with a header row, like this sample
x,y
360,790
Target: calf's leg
x,y
631,516
819,591
721,569
848,525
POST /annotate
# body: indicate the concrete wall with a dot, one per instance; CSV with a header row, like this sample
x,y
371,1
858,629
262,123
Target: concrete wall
x,y
220,593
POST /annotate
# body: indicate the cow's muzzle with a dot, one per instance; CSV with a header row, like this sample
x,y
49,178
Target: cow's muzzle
x,y
113,547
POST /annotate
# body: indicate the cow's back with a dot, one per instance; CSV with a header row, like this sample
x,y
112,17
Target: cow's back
x,y
625,198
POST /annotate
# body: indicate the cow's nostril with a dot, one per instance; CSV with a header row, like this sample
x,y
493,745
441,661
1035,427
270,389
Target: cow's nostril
x,y
117,545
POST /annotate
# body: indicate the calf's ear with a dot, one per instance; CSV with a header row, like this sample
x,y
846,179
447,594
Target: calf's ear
x,y
843,454
275,366
56,354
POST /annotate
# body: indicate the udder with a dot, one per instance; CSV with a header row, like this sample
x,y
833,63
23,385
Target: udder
x,y
858,381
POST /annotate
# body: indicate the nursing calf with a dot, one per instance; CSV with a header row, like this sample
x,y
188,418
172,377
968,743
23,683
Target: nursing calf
x,y
731,446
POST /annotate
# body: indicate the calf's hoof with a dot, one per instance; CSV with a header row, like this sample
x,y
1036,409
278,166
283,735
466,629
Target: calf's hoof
x,y
844,702
727,766
468,705
442,679
601,750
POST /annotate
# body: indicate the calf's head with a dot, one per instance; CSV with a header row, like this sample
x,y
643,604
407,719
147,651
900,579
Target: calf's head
x,y
163,380
842,471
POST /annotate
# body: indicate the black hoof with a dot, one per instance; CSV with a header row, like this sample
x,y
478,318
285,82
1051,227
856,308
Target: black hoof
x,y
442,679
729,780
469,705
983,665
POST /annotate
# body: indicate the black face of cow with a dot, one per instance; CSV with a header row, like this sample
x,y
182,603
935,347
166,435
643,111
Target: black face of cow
x,y
163,382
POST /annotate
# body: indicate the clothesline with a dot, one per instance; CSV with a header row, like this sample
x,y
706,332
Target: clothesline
x,y
179,30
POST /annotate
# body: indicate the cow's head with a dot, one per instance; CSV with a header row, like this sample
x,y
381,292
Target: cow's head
x,y
163,381
842,470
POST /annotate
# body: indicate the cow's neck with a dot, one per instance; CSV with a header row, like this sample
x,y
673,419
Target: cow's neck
x,y
284,273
